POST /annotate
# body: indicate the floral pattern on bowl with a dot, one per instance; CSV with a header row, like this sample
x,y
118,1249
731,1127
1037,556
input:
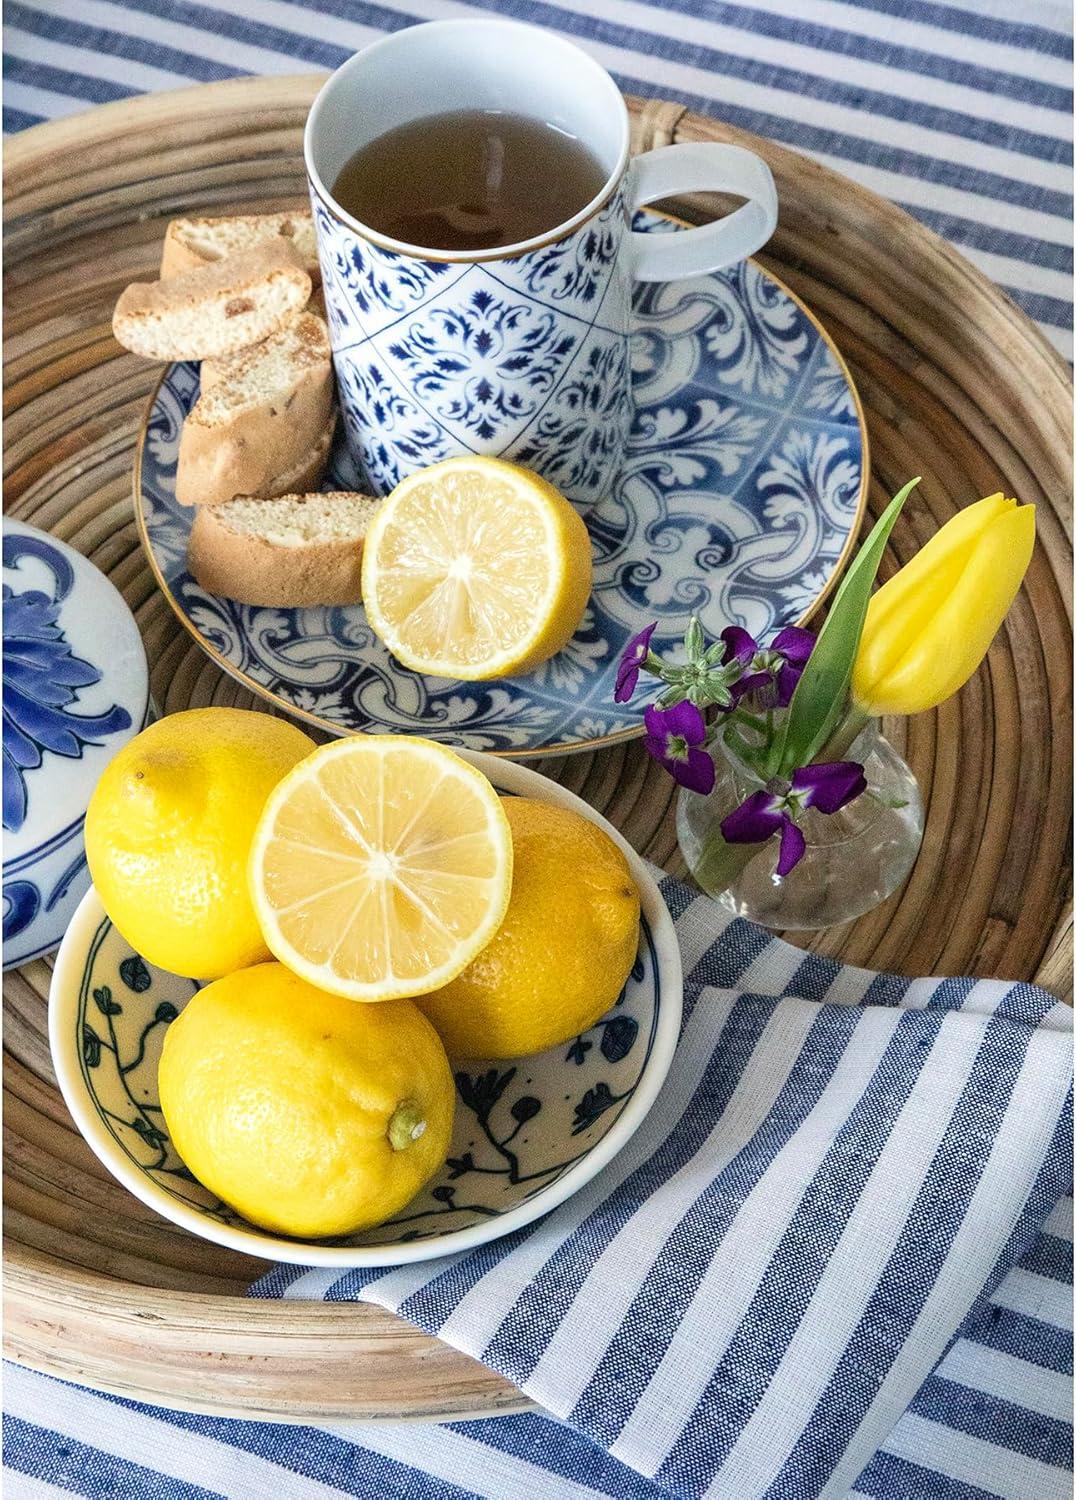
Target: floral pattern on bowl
x,y
527,1133
498,1157
743,489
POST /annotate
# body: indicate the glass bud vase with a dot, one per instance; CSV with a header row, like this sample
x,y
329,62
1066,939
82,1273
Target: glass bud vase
x,y
854,858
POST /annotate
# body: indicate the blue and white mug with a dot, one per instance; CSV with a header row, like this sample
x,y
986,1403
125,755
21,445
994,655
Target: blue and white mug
x,y
519,351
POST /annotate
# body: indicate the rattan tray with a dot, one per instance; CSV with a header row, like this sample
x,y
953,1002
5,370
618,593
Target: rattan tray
x,y
957,386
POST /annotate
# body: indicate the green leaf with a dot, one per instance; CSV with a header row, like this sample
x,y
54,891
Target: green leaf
x,y
738,742
694,640
821,694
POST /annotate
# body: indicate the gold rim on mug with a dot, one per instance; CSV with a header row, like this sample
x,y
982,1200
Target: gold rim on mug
x,y
573,747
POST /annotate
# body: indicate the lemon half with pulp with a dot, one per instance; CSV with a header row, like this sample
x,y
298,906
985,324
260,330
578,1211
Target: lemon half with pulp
x,y
475,568
381,865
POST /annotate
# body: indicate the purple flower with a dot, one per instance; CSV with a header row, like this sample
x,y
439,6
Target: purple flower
x,y
738,644
828,787
773,670
631,662
674,737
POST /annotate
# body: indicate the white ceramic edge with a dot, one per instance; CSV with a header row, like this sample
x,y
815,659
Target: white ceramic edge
x,y
508,776
500,252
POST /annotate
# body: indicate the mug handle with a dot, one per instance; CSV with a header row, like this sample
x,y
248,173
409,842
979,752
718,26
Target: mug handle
x,y
693,167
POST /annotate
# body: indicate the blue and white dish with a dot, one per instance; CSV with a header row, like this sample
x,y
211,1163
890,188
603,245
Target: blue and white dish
x,y
76,688
744,487
528,1134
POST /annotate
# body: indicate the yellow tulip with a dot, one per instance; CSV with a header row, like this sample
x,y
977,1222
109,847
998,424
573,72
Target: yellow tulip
x,y
930,626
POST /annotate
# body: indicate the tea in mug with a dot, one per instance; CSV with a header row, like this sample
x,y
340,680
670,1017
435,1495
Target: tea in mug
x,y
470,179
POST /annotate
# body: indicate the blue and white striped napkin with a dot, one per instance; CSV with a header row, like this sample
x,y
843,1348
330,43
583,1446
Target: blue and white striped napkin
x,y
959,110
839,1172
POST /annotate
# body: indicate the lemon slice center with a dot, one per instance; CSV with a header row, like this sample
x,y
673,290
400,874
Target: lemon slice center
x,y
381,867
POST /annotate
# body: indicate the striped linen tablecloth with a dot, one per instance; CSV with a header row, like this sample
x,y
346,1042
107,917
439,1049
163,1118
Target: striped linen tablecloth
x,y
960,112
835,1261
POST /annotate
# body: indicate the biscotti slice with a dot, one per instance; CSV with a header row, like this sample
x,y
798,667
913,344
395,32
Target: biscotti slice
x,y
289,553
214,309
197,242
314,335
259,411
307,473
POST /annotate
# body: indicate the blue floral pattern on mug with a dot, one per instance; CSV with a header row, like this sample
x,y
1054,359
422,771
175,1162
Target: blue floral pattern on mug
x,y
582,433
392,428
573,273
367,287
484,366
435,358
741,489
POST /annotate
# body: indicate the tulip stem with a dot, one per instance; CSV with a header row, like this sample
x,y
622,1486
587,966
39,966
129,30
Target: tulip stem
x,y
846,734
741,716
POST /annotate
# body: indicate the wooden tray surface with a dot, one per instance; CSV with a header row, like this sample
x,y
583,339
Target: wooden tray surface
x,y
957,385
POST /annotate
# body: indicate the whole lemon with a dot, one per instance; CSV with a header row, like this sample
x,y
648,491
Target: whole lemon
x,y
310,1114
169,829
566,945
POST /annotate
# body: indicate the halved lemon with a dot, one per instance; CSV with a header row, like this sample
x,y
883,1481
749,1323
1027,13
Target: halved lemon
x,y
381,866
475,568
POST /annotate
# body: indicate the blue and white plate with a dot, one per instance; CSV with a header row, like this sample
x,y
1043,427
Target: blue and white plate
x,y
744,487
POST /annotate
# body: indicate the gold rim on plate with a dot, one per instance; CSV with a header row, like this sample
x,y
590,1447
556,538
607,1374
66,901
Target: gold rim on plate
x,y
574,747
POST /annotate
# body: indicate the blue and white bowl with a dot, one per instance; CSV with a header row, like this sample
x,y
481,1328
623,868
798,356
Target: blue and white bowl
x,y
76,688
527,1134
